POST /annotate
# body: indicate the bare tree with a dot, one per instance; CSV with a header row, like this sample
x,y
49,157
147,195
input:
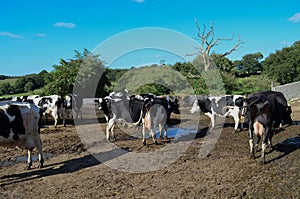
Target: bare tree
x,y
208,41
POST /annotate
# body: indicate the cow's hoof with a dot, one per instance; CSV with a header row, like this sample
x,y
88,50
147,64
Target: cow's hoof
x,y
144,143
155,142
234,131
41,164
28,167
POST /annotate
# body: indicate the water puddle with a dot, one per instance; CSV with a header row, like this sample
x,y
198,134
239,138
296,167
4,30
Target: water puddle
x,y
23,159
174,132
177,133
296,122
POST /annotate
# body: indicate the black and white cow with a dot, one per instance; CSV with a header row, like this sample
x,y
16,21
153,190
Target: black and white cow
x,y
284,113
122,109
155,117
19,126
50,105
72,103
261,113
221,106
103,106
170,104
29,98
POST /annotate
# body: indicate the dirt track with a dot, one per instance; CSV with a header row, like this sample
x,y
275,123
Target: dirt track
x,y
226,172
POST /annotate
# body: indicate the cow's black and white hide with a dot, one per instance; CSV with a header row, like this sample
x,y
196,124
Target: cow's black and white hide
x,y
221,106
50,105
19,126
123,110
102,104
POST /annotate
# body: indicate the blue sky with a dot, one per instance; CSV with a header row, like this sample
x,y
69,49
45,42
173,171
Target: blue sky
x,y
34,35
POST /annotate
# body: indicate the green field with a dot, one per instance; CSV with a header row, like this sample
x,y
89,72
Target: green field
x,y
11,81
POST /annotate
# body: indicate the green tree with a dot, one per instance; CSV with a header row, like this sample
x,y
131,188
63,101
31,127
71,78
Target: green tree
x,y
60,81
249,65
222,63
29,86
91,78
283,66
5,88
84,72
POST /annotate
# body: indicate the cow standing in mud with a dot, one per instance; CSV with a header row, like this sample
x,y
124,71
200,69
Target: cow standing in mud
x,y
264,111
155,116
19,126
221,106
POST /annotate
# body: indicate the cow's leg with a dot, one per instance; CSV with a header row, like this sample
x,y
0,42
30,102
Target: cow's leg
x,y
257,142
143,133
152,134
242,121
29,159
264,146
40,153
113,138
109,128
251,140
236,121
266,139
212,120
163,127
160,131
270,136
165,131
55,116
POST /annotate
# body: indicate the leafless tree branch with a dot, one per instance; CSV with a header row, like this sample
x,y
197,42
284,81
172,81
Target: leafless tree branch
x,y
208,41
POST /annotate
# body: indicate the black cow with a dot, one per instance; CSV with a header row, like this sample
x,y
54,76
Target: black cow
x,y
262,112
72,103
221,106
284,113
19,126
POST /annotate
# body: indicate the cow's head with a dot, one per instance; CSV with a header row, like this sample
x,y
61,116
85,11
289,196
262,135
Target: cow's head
x,y
68,101
195,107
174,105
287,115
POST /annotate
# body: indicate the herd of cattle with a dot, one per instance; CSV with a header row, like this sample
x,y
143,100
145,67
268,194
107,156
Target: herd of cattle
x,y
20,117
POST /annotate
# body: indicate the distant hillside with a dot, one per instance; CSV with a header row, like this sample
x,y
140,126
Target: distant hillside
x,y
10,80
3,77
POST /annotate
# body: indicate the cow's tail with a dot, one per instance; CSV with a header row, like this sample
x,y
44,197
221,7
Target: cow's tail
x,y
129,124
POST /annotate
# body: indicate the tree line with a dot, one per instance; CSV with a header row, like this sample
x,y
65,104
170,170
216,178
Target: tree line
x,y
251,73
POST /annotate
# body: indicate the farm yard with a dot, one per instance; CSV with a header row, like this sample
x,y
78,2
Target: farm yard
x,y
71,171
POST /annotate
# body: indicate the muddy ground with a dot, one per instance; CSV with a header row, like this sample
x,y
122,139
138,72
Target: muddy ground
x,y
224,172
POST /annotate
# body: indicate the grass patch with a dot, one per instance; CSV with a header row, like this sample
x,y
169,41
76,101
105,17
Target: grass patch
x,y
11,81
